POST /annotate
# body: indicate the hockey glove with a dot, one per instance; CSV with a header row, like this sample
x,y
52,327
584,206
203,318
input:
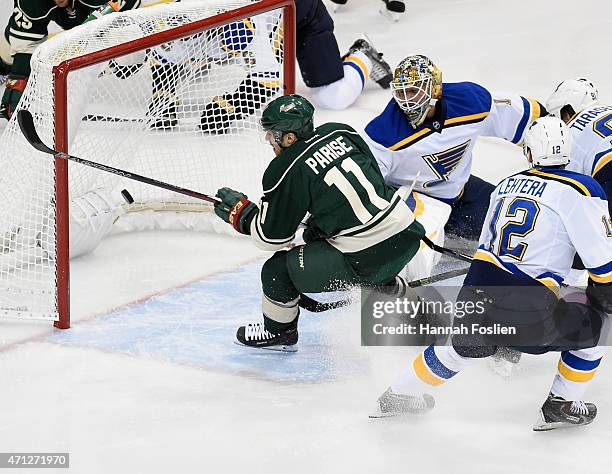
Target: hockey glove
x,y
236,209
15,85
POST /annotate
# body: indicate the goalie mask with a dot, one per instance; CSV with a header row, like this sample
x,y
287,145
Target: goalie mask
x,y
416,87
577,93
548,140
291,113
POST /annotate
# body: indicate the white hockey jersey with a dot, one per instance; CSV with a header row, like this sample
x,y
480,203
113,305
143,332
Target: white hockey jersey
x,y
441,149
253,43
538,219
592,141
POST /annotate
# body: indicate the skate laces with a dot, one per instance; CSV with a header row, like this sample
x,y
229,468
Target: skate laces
x,y
579,408
256,332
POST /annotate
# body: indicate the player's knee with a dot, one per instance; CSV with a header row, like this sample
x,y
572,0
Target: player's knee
x,y
335,96
275,265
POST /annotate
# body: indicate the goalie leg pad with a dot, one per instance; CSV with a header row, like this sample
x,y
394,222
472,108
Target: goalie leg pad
x,y
91,217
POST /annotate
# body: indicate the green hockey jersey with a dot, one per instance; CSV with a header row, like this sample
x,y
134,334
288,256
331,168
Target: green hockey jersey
x,y
29,23
334,177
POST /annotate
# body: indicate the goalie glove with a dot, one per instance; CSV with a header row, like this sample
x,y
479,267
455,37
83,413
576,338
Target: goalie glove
x,y
236,209
15,85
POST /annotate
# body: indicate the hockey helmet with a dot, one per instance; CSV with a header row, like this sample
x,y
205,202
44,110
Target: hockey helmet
x,y
290,113
416,86
579,93
548,140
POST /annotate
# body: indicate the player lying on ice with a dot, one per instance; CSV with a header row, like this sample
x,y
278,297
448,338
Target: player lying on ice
x,y
360,230
335,81
429,129
537,220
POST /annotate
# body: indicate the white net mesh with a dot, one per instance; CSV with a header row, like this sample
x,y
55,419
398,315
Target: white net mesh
x,y
184,112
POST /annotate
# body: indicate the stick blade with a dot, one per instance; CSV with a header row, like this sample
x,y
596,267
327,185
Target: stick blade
x,y
26,124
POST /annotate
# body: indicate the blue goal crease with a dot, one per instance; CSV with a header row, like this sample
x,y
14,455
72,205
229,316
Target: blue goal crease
x,y
195,326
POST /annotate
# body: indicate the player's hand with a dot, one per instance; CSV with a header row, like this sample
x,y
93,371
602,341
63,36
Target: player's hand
x,y
236,209
15,85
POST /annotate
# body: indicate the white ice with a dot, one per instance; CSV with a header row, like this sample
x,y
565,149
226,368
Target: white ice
x,y
143,408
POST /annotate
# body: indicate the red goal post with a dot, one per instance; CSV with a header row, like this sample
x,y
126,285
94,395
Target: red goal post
x,y
61,74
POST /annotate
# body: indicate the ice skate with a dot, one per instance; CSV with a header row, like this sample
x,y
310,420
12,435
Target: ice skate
x,y
394,404
560,413
393,9
255,335
381,71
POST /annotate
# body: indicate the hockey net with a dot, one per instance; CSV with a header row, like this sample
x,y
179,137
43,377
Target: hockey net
x,y
173,92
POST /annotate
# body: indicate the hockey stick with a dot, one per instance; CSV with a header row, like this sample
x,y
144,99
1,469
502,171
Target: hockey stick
x,y
314,306
26,124
450,252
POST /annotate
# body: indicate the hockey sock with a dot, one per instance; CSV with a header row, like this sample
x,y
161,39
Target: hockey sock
x,y
575,371
279,316
430,368
357,66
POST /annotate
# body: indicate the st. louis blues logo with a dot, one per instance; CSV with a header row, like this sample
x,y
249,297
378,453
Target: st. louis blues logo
x,y
445,162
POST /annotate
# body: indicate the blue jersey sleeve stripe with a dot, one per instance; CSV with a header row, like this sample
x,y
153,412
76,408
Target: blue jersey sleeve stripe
x,y
524,121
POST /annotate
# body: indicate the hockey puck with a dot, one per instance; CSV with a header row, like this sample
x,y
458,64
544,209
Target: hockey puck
x,y
127,196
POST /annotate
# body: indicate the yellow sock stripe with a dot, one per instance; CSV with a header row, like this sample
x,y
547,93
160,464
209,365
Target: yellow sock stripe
x,y
360,64
424,373
575,375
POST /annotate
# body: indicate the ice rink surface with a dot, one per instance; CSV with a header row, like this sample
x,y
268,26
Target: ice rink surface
x,y
149,381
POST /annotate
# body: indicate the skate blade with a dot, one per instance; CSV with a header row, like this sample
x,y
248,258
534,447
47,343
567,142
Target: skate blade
x,y
393,16
279,348
379,414
542,425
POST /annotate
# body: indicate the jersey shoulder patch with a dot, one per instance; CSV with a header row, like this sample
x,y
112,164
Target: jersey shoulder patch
x,y
581,183
466,102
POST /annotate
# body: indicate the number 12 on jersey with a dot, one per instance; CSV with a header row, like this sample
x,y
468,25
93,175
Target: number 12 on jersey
x,y
518,221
